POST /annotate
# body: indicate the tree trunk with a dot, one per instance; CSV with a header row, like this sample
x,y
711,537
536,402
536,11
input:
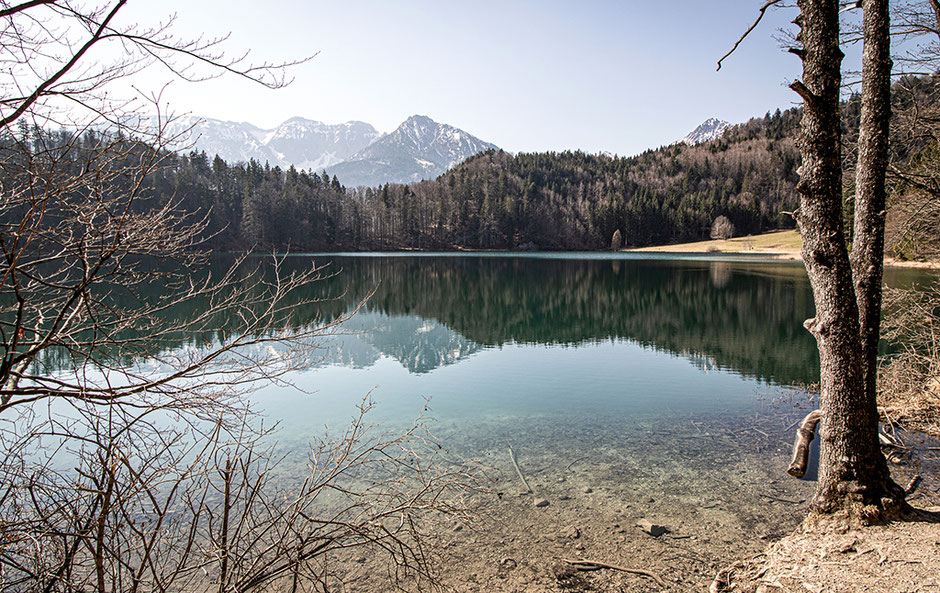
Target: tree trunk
x,y
852,467
869,245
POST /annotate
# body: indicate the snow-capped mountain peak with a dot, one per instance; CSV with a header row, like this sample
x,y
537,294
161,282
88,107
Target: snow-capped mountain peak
x,y
304,143
711,129
420,148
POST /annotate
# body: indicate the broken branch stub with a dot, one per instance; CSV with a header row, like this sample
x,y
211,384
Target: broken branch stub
x,y
804,436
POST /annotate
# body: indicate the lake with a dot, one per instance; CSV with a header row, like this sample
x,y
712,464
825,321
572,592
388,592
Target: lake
x,y
587,351
559,338
628,386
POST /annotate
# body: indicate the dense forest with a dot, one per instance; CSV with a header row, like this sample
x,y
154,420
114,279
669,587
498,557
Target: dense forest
x,y
495,200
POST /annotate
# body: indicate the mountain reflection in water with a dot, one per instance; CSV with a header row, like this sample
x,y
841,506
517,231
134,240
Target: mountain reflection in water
x,y
431,311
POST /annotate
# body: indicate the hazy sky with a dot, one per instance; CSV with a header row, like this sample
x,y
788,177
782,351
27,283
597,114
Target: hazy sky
x,y
618,76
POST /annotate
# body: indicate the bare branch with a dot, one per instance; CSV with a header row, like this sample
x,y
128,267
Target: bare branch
x,y
43,87
753,26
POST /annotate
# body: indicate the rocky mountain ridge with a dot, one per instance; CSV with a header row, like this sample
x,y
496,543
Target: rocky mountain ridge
x,y
303,143
419,148
710,129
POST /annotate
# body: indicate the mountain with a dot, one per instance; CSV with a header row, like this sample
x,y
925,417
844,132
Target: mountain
x,y
233,141
711,129
419,149
309,144
304,143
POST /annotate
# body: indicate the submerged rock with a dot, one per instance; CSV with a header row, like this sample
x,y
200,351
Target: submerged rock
x,y
540,502
571,532
651,528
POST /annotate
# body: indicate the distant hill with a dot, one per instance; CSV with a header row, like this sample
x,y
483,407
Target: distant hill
x,y
420,148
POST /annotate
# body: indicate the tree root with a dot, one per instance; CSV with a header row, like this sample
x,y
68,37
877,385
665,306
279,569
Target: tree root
x,y
722,580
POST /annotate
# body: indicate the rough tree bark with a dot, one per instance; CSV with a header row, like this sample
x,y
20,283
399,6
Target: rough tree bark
x,y
870,192
853,471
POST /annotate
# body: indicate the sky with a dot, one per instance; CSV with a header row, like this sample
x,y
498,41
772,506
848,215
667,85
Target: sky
x,y
527,75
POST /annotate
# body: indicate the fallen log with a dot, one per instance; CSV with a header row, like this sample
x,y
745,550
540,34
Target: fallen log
x,y
804,436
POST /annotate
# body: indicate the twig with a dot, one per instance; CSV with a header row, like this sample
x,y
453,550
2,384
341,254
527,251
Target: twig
x,y
777,498
512,457
567,467
594,565
762,9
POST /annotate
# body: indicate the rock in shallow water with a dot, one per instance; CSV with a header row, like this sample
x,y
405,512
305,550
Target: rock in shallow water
x,y
651,528
571,532
540,502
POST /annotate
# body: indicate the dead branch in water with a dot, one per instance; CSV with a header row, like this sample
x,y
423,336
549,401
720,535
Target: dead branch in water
x,y
515,465
804,436
594,565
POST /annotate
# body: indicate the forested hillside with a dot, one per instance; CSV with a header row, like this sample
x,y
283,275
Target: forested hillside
x,y
495,200
568,200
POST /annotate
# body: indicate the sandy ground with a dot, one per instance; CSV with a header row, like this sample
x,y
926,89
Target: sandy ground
x,y
783,245
900,557
588,504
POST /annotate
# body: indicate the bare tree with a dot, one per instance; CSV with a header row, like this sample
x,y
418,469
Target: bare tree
x,y
616,241
722,228
129,459
854,476
868,246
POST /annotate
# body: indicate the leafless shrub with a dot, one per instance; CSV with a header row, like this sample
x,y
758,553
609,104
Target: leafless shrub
x,y
722,228
176,509
129,458
909,389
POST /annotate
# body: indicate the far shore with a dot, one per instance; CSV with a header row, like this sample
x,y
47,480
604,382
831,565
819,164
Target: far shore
x,y
783,245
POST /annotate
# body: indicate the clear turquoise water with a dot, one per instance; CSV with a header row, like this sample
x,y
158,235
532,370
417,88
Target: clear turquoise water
x,y
497,343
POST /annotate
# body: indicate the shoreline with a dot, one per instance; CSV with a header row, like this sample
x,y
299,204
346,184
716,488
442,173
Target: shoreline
x,y
780,245
889,262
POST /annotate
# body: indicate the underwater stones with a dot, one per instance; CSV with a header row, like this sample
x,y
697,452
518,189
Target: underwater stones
x,y
571,532
587,490
651,528
540,502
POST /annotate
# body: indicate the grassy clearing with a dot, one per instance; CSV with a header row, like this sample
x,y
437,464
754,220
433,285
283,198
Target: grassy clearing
x,y
784,243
